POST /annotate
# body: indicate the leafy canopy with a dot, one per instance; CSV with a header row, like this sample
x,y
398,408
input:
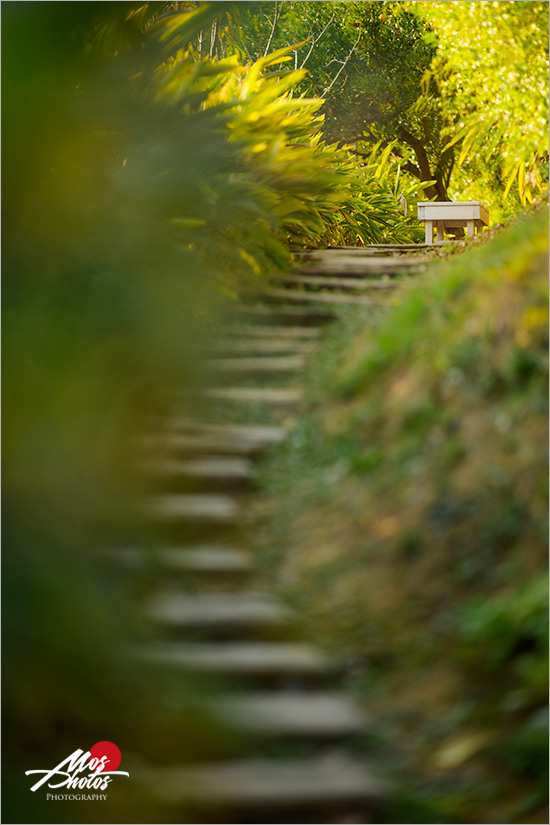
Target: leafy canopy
x,y
492,65
462,87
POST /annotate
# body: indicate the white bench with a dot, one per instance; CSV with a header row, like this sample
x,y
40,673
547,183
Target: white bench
x,y
446,215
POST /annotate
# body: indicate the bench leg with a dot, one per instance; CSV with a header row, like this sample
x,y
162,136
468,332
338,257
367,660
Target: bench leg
x,y
470,229
429,230
440,231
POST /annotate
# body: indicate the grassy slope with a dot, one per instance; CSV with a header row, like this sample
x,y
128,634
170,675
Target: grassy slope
x,y
415,494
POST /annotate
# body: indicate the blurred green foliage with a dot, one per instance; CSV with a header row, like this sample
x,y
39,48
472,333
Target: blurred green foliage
x,y
103,298
509,633
506,637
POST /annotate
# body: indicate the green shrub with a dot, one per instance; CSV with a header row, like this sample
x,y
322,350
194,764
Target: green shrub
x,y
510,630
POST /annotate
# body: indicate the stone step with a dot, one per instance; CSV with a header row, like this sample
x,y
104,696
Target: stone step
x,y
216,611
215,560
295,296
254,346
275,332
259,660
215,471
386,247
358,266
185,437
286,397
260,366
269,783
390,249
201,508
327,282
310,714
305,316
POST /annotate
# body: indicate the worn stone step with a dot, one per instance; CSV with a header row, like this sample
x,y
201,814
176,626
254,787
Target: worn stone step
x,y
372,250
212,471
392,248
215,560
328,282
216,611
258,660
202,508
286,397
269,783
259,366
296,296
275,332
290,713
355,265
183,437
305,316
253,346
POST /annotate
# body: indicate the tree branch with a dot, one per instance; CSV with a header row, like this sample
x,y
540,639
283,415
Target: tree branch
x,y
427,130
214,39
342,67
273,27
316,40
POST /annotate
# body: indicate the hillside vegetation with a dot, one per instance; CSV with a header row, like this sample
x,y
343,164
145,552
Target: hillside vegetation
x,y
415,493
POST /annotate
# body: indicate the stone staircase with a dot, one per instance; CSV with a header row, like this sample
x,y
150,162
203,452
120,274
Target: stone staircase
x,y
207,610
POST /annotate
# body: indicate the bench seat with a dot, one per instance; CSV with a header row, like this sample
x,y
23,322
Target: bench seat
x,y
444,215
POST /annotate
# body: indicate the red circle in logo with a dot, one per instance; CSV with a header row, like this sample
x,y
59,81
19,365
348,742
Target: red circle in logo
x,y
111,753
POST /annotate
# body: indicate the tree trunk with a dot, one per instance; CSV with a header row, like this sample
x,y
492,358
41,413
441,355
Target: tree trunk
x,y
214,40
439,189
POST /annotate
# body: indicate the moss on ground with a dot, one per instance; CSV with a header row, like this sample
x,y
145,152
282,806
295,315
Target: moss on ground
x,y
413,498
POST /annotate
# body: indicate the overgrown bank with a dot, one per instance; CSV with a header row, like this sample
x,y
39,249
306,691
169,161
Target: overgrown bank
x,y
414,497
